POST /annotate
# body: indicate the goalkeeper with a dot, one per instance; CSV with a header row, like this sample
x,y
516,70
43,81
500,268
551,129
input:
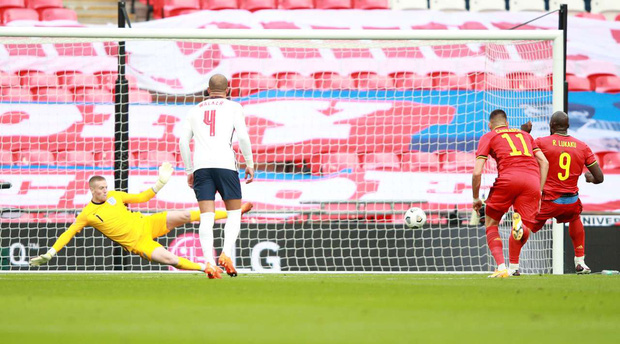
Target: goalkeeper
x,y
134,231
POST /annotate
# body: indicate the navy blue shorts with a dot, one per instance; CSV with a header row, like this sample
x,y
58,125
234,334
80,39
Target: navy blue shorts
x,y
209,180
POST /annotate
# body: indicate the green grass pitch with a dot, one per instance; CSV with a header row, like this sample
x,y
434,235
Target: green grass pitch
x,y
308,308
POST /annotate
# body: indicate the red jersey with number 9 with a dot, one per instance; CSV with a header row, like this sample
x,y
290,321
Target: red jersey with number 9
x,y
567,156
512,149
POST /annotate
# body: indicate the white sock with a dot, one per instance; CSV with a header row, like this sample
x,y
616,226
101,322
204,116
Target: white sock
x,y
203,267
580,260
513,267
231,231
205,232
501,267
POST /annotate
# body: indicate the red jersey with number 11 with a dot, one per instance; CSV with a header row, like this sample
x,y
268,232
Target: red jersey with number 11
x,y
567,156
512,149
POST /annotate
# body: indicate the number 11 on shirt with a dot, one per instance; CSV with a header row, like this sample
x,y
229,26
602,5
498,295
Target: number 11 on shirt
x,y
210,121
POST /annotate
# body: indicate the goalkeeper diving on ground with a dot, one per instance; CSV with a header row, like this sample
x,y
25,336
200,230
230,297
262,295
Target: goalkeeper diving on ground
x,y
135,232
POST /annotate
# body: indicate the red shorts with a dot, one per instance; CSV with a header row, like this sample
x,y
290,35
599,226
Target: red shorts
x,y
561,212
521,191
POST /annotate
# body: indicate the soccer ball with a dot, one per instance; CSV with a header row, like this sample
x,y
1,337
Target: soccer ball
x,y
415,217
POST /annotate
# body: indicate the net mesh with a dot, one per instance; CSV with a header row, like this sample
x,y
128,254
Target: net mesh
x,y
346,135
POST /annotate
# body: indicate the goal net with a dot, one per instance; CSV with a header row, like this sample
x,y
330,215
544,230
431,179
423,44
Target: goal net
x,y
349,129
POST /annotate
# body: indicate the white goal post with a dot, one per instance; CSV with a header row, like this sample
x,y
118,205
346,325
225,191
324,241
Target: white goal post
x,y
321,40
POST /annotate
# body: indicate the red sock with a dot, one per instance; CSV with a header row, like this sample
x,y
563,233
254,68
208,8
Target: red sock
x,y
495,244
515,246
578,236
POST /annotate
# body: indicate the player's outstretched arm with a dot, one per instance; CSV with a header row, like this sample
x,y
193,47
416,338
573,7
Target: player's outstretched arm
x,y
165,172
594,174
62,240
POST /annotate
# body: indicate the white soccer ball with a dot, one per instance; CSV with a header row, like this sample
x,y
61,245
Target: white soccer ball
x,y
415,217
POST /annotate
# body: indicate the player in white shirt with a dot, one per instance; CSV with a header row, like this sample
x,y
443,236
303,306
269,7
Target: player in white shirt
x,y
212,124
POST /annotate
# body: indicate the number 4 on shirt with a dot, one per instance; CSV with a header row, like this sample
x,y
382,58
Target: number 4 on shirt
x,y
210,121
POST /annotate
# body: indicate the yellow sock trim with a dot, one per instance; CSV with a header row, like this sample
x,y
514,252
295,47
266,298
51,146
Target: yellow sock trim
x,y
185,264
194,215
220,214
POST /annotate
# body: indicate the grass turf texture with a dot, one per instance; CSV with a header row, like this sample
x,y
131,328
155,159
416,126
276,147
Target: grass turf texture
x,y
155,308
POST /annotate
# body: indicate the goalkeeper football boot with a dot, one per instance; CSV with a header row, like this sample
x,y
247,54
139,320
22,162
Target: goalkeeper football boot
x,y
227,264
213,271
245,207
500,274
514,273
517,227
580,266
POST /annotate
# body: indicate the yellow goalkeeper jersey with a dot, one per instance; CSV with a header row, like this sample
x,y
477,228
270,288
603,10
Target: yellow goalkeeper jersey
x,y
112,218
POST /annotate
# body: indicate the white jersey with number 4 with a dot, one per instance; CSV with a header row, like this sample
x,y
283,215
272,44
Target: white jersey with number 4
x,y
212,124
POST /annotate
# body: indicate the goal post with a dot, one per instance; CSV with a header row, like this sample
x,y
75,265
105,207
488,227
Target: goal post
x,y
295,183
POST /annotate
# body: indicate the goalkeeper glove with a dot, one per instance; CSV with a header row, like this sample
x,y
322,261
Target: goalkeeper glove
x,y
165,172
44,258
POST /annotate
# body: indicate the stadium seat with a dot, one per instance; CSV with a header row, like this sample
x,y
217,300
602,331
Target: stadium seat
x,y
13,14
577,84
218,4
487,5
12,4
35,157
255,5
339,161
381,162
411,81
452,161
447,5
527,81
107,80
371,4
92,95
52,95
16,94
573,5
42,4
607,84
32,79
140,96
294,81
409,4
6,157
75,158
8,80
155,158
72,79
50,14
588,15
420,162
104,159
295,4
171,8
450,81
594,76
605,6
527,5
331,80
332,4
243,84
617,18
371,81
611,162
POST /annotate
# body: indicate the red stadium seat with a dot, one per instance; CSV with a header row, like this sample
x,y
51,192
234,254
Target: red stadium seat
x,y
607,84
12,4
527,81
50,14
255,5
339,161
171,8
381,162
6,157
218,4
452,161
611,162
42,4
35,157
13,14
140,96
107,80
155,158
8,80
296,4
75,158
92,95
35,79
52,95
595,16
16,94
331,80
450,81
243,84
411,81
371,4
332,4
371,81
617,18
420,162
484,81
72,79
294,81
105,159
577,84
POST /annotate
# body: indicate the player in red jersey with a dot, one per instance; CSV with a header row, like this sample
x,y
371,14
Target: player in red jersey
x,y
522,171
567,156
